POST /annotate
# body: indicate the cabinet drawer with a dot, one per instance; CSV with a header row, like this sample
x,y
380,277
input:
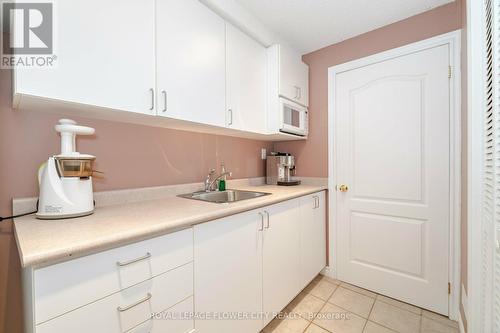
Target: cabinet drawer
x,y
128,308
66,286
177,319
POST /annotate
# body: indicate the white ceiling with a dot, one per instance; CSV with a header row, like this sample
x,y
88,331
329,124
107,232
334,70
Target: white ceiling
x,y
309,25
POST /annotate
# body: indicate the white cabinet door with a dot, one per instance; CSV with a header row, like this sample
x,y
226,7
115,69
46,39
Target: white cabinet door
x,y
105,56
190,61
294,76
228,272
281,266
246,87
312,236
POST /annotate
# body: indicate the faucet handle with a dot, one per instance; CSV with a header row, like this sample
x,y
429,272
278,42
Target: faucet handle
x,y
208,180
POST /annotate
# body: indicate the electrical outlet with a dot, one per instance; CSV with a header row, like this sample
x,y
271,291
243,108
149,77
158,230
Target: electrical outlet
x,y
263,153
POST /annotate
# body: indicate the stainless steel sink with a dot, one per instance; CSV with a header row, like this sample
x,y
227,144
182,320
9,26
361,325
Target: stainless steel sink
x,y
223,196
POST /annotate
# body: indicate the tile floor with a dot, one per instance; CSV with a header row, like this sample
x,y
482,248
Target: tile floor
x,y
328,305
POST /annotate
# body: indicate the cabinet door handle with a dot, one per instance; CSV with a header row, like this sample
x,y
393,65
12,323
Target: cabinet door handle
x,y
128,307
230,116
267,219
316,202
164,101
261,221
125,263
296,92
299,92
152,99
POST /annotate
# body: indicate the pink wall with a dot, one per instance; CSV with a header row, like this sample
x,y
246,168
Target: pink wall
x,y
130,155
312,155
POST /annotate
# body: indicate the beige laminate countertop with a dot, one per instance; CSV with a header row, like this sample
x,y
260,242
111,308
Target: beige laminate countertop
x,y
45,242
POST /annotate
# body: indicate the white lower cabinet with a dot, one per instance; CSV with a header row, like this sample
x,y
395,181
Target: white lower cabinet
x,y
228,272
99,275
250,265
234,274
281,266
312,236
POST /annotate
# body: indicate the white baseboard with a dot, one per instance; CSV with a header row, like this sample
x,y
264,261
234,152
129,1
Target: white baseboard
x,y
461,327
328,271
465,302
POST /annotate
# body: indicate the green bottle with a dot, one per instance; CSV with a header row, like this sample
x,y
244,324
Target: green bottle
x,y
222,181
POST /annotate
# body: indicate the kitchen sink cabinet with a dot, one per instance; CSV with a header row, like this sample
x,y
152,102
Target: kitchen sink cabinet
x,y
228,271
253,262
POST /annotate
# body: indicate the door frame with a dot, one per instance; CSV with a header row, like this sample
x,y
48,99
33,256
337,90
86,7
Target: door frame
x,y
476,97
453,40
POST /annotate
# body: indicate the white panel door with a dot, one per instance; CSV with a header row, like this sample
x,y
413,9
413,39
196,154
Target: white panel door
x,y
281,253
228,272
392,134
190,62
246,82
312,236
105,56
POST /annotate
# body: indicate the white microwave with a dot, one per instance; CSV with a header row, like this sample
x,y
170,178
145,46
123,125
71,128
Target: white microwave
x,y
294,118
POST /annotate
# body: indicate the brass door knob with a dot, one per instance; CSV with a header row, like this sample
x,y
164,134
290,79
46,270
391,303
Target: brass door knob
x,y
343,188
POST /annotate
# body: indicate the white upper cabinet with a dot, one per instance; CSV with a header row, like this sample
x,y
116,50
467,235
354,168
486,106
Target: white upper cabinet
x,y
289,74
105,56
190,62
175,61
246,89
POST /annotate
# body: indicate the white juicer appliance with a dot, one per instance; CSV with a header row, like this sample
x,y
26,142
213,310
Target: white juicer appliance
x,y
66,179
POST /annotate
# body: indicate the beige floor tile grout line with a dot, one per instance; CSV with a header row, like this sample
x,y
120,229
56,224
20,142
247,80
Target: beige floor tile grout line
x,y
369,313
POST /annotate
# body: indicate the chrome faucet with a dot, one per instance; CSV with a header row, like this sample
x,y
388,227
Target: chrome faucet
x,y
209,182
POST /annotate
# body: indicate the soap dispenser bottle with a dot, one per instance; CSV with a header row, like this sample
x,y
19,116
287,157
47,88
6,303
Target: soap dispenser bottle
x,y
222,181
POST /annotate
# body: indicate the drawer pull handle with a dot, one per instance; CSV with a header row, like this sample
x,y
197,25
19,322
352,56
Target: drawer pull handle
x,y
125,263
128,307
267,219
